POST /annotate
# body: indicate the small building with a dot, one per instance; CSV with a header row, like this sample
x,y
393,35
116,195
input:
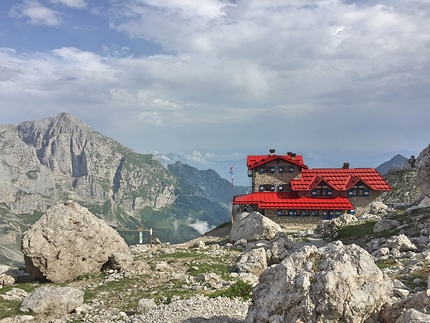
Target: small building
x,y
286,190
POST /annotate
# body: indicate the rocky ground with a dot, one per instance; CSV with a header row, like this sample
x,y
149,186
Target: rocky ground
x,y
198,281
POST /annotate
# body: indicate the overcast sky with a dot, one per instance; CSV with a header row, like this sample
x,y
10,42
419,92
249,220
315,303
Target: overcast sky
x,y
332,80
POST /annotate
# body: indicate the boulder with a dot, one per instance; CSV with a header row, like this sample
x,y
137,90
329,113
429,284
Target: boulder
x,y
401,243
282,246
69,241
368,217
253,226
253,261
60,300
419,302
15,294
144,305
9,275
120,261
384,225
425,203
423,171
329,227
377,207
413,316
336,283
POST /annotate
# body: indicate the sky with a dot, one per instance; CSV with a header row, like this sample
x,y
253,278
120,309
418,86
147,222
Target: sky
x,y
217,80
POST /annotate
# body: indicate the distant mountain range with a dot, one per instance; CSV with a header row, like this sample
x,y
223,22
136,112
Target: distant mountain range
x,y
397,161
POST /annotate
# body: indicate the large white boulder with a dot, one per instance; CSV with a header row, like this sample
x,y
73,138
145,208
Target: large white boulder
x,y
252,227
69,241
336,283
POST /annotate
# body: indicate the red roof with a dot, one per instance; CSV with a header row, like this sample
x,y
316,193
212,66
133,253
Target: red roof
x,y
340,179
292,201
258,160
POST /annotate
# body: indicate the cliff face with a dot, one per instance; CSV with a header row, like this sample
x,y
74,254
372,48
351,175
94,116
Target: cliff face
x,y
42,162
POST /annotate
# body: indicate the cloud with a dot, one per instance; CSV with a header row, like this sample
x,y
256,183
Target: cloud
x,y
76,4
201,226
239,75
199,157
38,14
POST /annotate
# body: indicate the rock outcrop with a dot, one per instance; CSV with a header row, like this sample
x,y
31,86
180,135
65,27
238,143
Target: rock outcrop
x,y
69,241
60,300
336,283
253,226
423,171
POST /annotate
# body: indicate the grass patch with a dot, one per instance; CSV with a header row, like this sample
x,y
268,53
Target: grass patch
x,y
387,263
239,289
356,231
203,268
223,225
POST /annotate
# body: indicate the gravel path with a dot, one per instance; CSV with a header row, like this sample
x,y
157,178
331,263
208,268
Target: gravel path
x,y
197,309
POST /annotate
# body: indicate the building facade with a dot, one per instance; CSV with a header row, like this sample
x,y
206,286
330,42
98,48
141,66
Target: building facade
x,y
286,190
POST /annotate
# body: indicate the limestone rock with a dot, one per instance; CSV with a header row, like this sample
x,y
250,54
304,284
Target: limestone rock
x,y
413,316
253,226
69,241
9,275
282,245
402,243
384,225
18,319
15,294
419,302
423,171
144,305
377,207
120,261
253,261
336,283
59,300
425,202
330,227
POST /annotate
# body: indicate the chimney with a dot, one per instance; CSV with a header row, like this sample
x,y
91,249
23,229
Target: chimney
x,y
293,155
272,152
345,166
289,153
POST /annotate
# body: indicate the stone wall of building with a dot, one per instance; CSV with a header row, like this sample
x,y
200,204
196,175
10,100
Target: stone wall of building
x,y
361,203
275,178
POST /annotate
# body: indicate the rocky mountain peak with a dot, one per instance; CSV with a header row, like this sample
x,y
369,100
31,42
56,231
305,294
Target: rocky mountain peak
x,y
60,143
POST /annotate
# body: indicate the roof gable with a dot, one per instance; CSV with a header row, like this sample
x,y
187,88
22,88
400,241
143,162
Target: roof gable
x,y
341,179
260,160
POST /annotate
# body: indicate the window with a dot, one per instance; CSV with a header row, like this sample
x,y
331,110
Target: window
x,y
284,188
267,188
267,169
359,190
281,169
305,212
291,169
322,190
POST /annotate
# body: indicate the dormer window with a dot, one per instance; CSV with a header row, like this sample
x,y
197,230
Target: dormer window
x,y
322,190
359,190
